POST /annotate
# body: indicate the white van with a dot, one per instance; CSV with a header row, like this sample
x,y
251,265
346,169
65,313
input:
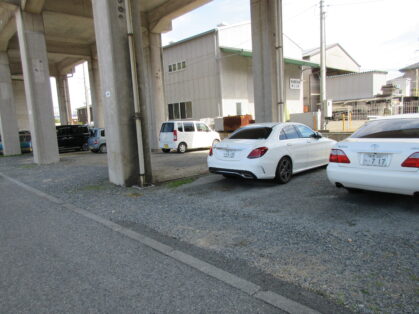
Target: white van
x,y
183,135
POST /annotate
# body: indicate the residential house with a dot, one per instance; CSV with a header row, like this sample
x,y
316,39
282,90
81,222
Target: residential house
x,y
412,72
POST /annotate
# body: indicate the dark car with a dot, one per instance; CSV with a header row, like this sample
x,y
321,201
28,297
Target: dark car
x,y
72,137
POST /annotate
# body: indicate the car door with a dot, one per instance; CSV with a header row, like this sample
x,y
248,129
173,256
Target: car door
x,y
295,146
189,134
316,147
203,135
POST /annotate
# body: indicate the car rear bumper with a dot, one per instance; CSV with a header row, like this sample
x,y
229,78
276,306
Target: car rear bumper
x,y
368,179
251,169
168,145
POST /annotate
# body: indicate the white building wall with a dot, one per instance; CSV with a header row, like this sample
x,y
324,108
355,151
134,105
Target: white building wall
x,y
294,97
235,85
338,59
199,81
403,84
20,103
355,86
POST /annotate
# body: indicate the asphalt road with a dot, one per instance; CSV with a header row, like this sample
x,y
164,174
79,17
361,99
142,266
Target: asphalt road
x,y
54,260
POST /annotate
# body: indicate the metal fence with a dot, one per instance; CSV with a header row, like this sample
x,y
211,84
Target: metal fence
x,y
349,117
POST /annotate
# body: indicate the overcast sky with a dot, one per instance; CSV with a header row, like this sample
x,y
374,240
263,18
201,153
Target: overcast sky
x,y
378,34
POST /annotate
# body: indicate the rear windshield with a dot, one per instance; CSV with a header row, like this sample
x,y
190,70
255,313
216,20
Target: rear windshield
x,y
389,128
252,133
167,127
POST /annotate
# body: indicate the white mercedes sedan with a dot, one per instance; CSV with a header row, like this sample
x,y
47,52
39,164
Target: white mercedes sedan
x,y
270,151
383,156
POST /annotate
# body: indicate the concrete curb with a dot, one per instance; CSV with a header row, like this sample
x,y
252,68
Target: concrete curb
x,y
241,284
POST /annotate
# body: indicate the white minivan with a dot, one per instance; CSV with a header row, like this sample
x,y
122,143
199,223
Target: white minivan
x,y
183,135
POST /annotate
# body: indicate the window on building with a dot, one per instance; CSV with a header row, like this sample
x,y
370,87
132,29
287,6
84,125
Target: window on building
x,y
181,110
177,66
239,108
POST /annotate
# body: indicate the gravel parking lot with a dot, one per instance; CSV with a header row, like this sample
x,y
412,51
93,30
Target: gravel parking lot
x,y
358,249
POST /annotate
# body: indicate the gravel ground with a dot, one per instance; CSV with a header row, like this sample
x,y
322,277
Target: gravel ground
x,y
359,250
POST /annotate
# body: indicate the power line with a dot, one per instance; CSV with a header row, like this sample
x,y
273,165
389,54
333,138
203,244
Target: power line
x,y
355,3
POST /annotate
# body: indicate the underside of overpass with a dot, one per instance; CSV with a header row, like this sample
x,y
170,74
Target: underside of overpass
x,y
121,41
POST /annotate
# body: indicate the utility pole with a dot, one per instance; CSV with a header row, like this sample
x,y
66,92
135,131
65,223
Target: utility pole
x,y
322,65
279,50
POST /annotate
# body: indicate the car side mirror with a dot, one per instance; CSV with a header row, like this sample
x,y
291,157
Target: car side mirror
x,y
316,135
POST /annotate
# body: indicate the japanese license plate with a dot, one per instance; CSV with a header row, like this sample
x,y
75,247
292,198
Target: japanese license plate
x,y
166,145
229,154
375,160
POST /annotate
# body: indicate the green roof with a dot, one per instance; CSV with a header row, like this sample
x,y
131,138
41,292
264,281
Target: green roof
x,y
248,53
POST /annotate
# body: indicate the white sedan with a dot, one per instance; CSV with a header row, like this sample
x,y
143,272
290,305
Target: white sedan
x,y
383,156
270,151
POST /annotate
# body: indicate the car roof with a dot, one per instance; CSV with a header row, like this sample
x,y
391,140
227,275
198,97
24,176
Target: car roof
x,y
400,116
173,121
263,124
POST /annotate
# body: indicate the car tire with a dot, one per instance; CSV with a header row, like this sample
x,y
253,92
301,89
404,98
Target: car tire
x,y
182,148
283,172
166,150
215,142
353,190
102,149
228,176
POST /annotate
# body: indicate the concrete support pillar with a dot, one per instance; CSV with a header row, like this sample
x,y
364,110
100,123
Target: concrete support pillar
x,y
158,102
93,93
9,130
117,94
264,62
30,28
98,110
62,101
68,100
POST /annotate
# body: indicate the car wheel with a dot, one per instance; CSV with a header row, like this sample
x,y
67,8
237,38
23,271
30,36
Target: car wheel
x,y
353,190
102,149
166,150
215,142
181,148
284,170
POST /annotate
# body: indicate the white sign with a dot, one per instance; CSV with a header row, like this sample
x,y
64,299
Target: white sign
x,y
295,83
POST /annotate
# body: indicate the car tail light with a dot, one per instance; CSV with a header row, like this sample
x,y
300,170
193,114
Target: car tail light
x,y
95,142
338,156
257,152
175,135
210,152
412,161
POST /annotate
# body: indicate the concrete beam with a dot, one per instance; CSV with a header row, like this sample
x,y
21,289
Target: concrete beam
x,y
33,6
6,33
62,50
160,18
68,64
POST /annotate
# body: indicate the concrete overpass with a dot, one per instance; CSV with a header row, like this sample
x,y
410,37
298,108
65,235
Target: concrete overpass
x,y
121,41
